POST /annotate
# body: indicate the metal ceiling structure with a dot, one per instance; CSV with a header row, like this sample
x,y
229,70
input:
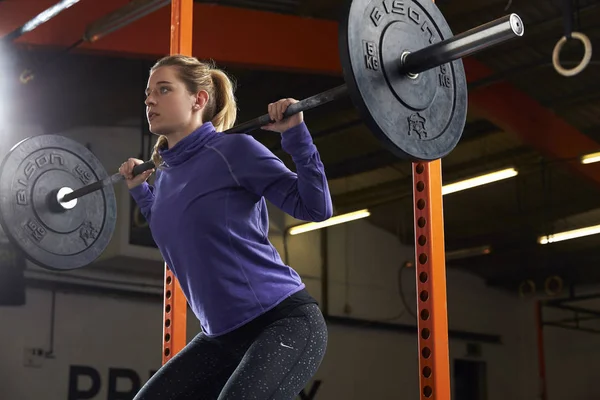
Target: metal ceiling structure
x,y
522,114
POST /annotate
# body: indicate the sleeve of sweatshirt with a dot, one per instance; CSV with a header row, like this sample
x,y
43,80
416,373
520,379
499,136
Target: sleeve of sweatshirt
x,y
143,195
303,194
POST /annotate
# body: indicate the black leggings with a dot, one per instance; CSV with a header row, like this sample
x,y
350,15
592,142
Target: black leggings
x,y
272,362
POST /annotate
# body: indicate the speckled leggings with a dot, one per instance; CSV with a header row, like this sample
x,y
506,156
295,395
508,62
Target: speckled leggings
x,y
273,363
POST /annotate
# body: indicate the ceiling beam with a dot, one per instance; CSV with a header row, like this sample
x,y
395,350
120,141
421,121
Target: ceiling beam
x,y
256,41
537,126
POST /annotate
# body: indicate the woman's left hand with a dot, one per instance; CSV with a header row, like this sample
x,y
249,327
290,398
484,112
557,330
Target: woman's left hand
x,y
282,124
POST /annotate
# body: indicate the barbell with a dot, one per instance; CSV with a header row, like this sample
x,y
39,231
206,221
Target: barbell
x,y
402,69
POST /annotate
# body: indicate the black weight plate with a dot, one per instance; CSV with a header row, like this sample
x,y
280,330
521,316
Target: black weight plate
x,y
29,176
422,118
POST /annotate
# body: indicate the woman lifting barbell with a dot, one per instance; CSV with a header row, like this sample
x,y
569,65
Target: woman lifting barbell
x,y
263,335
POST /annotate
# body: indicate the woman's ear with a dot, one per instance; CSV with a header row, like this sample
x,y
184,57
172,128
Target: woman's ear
x,y
201,100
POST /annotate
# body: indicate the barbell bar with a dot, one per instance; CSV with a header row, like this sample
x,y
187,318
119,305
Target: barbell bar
x,y
410,65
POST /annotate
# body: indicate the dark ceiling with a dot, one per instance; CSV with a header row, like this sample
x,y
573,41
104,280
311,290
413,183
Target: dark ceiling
x,y
553,191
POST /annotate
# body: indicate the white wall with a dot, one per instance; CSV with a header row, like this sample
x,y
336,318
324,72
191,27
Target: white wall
x,y
361,363
98,332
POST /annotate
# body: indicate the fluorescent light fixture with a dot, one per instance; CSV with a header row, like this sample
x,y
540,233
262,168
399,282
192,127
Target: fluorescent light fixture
x,y
572,234
479,180
339,219
48,14
590,158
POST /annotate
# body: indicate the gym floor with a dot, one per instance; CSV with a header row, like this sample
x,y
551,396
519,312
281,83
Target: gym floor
x,y
521,252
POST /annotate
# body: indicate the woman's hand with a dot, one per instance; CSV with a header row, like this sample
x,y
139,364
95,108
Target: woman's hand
x,y
126,170
282,124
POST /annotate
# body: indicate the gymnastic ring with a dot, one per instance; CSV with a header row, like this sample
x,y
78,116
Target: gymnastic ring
x,y
553,279
526,284
26,76
587,56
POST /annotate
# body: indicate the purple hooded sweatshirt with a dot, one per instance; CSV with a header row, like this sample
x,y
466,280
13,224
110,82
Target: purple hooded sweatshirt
x,y
208,216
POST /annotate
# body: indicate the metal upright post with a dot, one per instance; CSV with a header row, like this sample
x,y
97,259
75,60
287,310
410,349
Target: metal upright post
x,y
434,368
175,304
539,327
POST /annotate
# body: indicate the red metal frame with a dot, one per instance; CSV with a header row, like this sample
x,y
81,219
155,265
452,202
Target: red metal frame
x,y
434,368
175,304
539,325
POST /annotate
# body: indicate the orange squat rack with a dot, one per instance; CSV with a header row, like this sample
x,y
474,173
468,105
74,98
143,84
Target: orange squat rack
x,y
175,304
434,369
430,271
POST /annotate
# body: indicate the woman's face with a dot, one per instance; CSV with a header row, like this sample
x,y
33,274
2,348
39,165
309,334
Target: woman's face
x,y
169,106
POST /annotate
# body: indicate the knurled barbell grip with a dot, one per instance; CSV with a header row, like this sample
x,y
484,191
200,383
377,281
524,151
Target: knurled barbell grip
x,y
303,105
138,169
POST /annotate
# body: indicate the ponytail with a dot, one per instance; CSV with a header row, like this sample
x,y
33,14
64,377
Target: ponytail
x,y
225,107
161,143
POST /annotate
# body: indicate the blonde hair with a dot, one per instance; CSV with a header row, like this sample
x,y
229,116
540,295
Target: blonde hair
x,y
221,109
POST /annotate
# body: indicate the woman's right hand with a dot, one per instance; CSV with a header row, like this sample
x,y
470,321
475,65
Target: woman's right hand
x,y
126,170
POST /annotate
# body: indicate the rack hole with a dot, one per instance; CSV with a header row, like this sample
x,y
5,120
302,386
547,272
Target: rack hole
x,y
425,333
426,372
427,391
426,352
